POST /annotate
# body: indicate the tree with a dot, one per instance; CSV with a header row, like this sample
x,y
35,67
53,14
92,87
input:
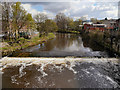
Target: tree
x,y
77,23
14,18
61,21
40,20
70,23
50,26
30,22
94,20
6,17
19,18
106,18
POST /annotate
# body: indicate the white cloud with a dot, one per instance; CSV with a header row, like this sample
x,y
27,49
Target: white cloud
x,y
76,9
94,10
29,9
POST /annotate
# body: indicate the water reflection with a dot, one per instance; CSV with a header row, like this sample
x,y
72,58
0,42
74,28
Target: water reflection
x,y
61,46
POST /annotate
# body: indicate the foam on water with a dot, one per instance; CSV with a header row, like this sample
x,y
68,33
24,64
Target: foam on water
x,y
67,62
42,70
23,66
57,63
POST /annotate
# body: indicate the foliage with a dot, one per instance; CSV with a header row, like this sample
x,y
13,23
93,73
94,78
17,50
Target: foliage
x,y
24,43
44,25
70,24
19,19
6,16
95,20
15,18
40,20
30,21
62,21
77,23
50,26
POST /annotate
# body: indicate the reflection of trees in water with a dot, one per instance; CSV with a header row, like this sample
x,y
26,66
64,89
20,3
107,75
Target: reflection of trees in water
x,y
49,45
90,42
79,41
65,40
62,41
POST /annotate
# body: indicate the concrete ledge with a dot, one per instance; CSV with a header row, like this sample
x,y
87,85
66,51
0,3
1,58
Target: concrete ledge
x,y
17,61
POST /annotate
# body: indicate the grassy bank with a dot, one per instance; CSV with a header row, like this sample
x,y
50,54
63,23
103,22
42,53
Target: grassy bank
x,y
23,43
74,32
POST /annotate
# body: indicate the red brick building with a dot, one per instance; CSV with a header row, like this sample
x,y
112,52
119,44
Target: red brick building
x,y
100,27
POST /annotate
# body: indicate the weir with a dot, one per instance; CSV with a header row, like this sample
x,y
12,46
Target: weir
x,y
16,61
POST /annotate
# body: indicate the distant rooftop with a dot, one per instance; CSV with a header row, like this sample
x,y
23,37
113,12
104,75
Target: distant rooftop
x,y
99,25
87,22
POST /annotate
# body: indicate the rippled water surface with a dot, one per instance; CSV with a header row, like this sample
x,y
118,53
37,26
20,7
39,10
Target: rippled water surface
x,y
68,75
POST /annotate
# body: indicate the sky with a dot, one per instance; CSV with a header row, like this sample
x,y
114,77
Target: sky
x,y
75,9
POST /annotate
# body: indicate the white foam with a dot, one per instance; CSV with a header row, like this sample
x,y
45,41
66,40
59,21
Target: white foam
x,y
58,63
23,66
68,62
42,70
11,61
16,61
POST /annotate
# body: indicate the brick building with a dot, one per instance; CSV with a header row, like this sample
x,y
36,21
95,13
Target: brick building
x,y
100,27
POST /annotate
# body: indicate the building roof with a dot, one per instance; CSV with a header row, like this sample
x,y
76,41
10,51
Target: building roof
x,y
99,25
80,25
87,23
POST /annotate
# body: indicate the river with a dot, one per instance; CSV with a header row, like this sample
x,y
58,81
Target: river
x,y
61,46
51,70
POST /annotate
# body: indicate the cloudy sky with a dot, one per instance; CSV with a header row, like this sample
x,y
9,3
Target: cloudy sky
x,y
75,9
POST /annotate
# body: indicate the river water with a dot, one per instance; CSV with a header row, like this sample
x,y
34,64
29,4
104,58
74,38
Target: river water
x,y
57,73
61,46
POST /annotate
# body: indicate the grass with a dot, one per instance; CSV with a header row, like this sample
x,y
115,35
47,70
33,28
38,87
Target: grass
x,y
24,43
74,31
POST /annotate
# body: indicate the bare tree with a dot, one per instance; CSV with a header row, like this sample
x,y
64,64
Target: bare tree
x,y
61,21
0,18
40,20
6,17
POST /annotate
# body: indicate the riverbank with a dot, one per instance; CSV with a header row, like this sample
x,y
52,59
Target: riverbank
x,y
74,32
102,40
23,43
